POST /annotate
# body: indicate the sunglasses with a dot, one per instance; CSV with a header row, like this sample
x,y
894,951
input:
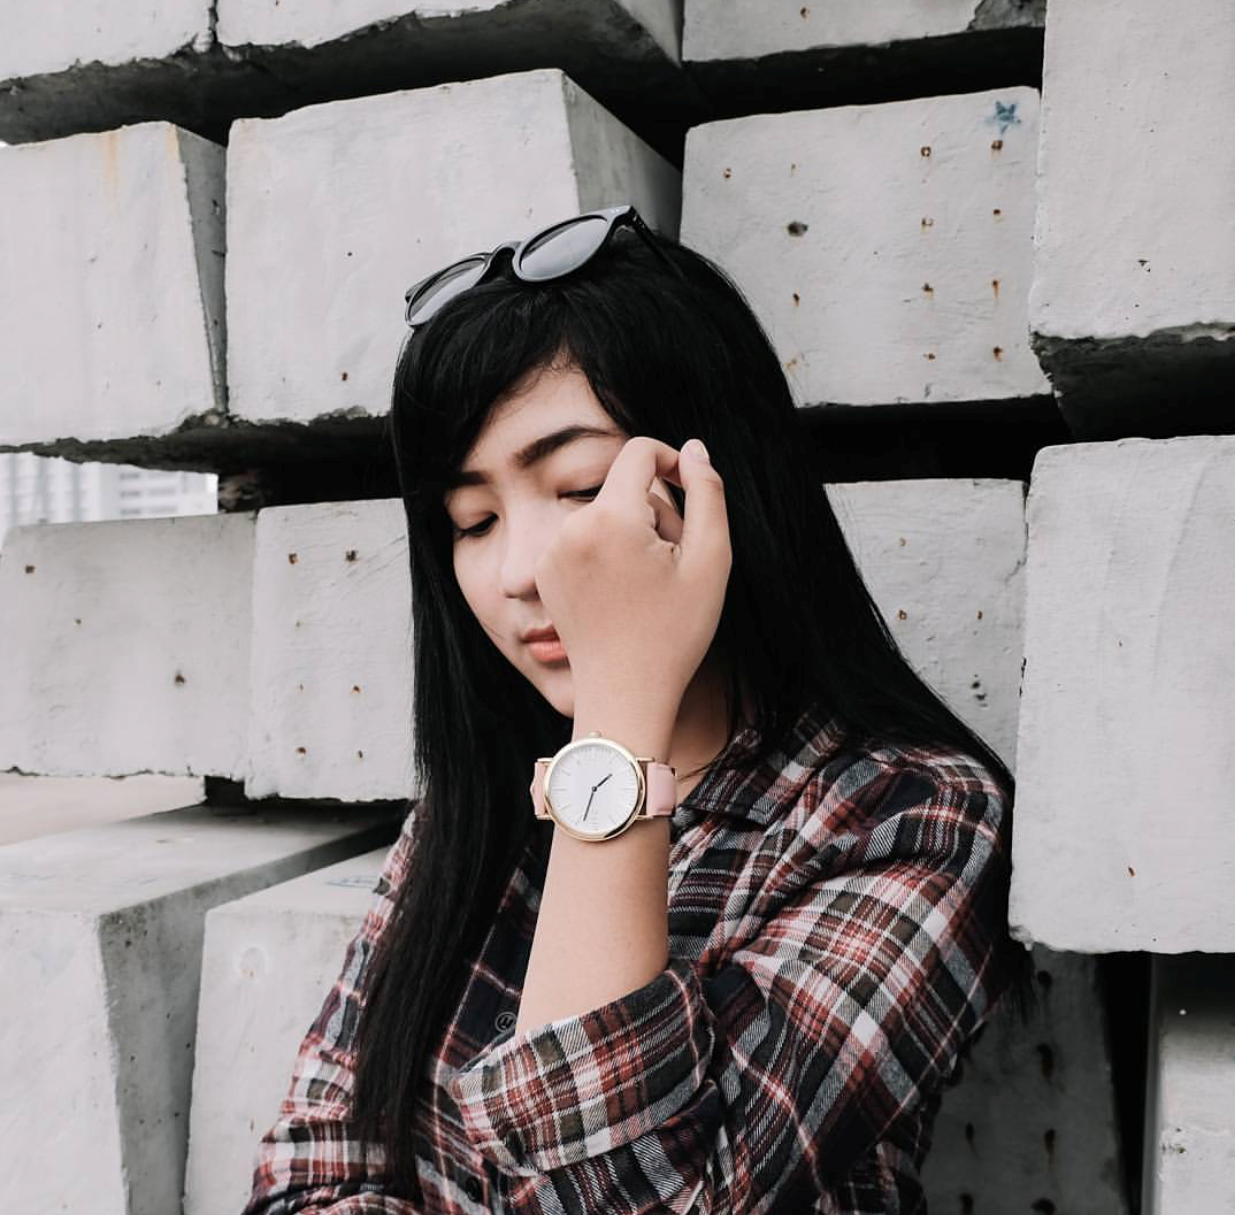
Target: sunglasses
x,y
548,254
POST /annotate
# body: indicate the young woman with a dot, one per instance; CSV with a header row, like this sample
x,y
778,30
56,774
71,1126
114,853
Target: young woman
x,y
723,952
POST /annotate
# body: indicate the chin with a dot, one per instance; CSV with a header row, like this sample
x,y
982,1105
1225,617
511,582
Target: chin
x,y
556,687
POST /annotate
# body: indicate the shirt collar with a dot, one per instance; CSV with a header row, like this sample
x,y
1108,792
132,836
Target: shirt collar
x,y
759,791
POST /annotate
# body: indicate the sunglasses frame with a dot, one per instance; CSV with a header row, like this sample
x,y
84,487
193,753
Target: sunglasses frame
x,y
623,215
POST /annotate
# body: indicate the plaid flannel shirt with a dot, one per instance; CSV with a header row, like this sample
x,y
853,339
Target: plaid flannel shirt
x,y
837,931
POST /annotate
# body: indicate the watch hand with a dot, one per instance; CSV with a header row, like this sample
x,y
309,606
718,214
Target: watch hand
x,y
589,800
601,782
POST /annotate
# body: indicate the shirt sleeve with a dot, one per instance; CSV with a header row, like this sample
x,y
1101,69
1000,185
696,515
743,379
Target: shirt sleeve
x,y
310,1160
840,1011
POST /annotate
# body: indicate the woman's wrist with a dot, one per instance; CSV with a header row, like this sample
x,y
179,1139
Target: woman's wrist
x,y
644,735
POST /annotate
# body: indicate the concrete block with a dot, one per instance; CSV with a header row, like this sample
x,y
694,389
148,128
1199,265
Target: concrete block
x,y
312,23
886,247
40,37
127,646
1031,1123
943,560
42,805
345,205
112,295
268,961
1133,298
713,31
784,55
1124,837
1190,1107
66,68
101,933
331,672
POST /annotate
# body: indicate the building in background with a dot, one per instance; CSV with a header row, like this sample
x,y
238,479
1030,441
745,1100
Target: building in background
x,y
42,489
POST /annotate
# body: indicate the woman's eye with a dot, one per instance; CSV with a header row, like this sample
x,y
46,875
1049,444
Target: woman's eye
x,y
479,529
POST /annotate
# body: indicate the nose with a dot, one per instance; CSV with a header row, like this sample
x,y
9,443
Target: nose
x,y
523,542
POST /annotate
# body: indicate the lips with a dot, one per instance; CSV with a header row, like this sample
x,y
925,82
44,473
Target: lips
x,y
546,634
545,646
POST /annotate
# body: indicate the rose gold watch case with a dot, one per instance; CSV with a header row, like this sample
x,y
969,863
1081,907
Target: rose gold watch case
x,y
548,763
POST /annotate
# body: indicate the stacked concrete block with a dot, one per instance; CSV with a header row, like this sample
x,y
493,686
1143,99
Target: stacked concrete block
x,y
64,69
1031,1122
43,805
268,962
782,54
1124,837
101,935
331,671
943,560
112,296
88,65
887,247
1133,299
1190,1109
127,646
335,210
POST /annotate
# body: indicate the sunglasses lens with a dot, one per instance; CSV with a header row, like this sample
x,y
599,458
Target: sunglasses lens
x,y
443,287
564,248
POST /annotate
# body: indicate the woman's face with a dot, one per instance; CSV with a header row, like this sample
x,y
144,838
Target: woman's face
x,y
543,453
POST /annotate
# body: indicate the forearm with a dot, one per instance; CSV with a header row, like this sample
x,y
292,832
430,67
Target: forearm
x,y
602,929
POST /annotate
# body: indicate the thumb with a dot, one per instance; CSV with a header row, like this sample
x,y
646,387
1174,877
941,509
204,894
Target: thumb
x,y
705,522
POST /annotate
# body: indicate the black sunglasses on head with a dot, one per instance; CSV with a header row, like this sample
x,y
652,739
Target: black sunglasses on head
x,y
548,254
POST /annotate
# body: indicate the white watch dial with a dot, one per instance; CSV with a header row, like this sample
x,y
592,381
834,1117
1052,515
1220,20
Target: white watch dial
x,y
593,788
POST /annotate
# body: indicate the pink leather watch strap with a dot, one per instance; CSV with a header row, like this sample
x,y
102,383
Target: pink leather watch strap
x,y
661,781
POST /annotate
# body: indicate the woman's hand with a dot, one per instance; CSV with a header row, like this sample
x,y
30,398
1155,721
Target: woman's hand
x,y
634,593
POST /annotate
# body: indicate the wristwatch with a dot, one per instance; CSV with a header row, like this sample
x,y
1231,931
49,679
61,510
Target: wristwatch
x,y
594,788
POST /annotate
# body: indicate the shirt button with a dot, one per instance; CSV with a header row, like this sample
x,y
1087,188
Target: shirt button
x,y
473,1189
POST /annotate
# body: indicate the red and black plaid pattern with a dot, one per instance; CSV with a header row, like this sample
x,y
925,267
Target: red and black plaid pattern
x,y
837,921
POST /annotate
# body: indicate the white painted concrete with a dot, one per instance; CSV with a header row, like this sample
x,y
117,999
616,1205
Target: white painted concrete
x,y
1135,190
1033,1117
112,291
1190,1111
127,646
886,247
345,205
268,963
1124,836
309,23
943,560
732,31
331,673
39,36
43,805
101,934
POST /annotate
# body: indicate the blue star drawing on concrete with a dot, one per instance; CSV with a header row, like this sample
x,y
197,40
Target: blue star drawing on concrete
x,y
1005,115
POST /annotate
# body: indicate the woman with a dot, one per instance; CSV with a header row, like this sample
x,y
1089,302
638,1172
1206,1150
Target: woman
x,y
750,998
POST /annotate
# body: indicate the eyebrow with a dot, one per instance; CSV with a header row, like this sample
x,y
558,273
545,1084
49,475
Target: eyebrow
x,y
534,452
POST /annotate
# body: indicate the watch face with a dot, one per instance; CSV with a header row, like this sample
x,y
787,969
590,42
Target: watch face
x,y
593,788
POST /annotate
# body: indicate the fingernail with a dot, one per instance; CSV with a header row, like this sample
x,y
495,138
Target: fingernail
x,y
696,448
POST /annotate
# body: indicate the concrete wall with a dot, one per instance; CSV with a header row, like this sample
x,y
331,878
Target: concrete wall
x,y
268,960
348,204
89,354
885,246
1133,298
944,560
1124,837
101,932
1189,1132
127,646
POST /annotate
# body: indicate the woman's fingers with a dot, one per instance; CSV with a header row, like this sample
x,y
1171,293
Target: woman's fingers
x,y
668,522
705,526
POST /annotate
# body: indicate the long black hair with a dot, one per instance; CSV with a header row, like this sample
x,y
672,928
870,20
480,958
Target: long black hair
x,y
668,355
